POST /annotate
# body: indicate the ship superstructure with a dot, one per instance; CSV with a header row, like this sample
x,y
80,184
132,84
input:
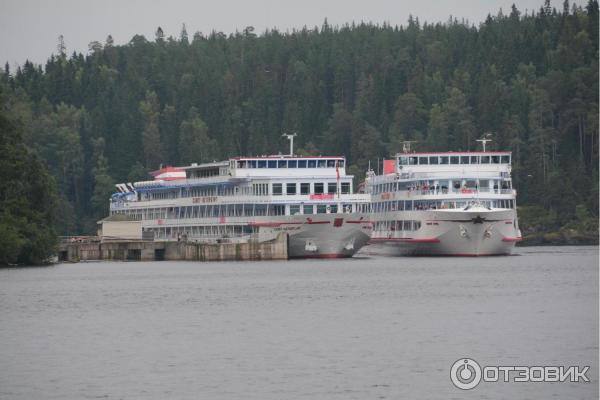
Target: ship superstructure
x,y
253,198
444,203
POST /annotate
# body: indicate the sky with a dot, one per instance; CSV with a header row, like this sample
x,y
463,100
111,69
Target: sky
x,y
29,29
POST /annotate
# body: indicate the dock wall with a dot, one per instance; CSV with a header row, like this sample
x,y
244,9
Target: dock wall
x,y
276,249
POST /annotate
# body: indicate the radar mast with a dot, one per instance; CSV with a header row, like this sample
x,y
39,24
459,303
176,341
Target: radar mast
x,y
290,137
484,140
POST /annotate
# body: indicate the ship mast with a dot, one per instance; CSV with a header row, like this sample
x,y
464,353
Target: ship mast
x,y
406,145
484,140
290,137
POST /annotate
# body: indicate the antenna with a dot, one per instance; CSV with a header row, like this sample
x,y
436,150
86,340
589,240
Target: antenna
x,y
485,139
406,145
290,137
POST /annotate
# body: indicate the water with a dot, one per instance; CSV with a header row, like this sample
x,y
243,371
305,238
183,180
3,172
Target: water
x,y
369,328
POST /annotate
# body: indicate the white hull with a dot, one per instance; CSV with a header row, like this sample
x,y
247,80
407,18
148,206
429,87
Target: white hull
x,y
475,232
327,240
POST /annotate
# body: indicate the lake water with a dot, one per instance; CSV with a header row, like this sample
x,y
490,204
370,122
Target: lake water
x,y
362,328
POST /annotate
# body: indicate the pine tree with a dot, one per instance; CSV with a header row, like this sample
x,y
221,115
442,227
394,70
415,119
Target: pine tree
x,y
103,183
195,145
152,146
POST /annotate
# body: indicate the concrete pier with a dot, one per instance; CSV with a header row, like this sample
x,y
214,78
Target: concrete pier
x,y
123,250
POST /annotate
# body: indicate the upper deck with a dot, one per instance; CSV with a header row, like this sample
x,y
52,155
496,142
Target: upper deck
x,y
288,166
453,160
447,165
284,177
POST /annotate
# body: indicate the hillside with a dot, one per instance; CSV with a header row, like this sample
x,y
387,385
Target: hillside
x,y
358,90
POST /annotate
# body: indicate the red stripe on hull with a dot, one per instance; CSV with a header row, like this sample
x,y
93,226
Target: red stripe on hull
x,y
512,239
409,240
273,224
331,255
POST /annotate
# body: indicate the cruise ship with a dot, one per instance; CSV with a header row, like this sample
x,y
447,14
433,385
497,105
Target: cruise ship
x,y
253,198
444,203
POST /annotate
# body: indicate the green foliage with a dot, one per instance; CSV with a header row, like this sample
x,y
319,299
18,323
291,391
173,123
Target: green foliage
x,y
194,143
530,79
27,200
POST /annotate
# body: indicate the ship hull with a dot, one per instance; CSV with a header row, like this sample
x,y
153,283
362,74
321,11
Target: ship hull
x,y
337,235
474,232
322,236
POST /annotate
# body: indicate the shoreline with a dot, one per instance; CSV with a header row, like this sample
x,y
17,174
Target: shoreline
x,y
560,238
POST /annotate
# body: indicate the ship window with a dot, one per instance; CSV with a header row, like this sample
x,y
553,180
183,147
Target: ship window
x,y
444,160
312,163
474,159
319,188
307,209
260,209
464,159
272,164
290,188
495,159
322,163
453,159
403,160
340,163
331,187
407,226
277,189
321,208
345,187
301,163
282,164
333,208
262,164
485,159
505,159
416,225
277,209
423,161
413,160
330,163
294,209
292,163
305,188
251,163
433,160
408,205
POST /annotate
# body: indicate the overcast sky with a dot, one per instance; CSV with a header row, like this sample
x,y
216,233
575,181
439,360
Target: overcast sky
x,y
29,28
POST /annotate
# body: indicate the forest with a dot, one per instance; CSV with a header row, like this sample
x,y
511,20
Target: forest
x,y
528,80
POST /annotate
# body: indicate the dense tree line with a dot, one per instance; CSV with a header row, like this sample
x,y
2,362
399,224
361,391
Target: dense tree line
x,y
27,199
358,90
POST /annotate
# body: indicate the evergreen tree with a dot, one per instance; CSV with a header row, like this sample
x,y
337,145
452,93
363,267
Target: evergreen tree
x,y
195,145
27,200
152,146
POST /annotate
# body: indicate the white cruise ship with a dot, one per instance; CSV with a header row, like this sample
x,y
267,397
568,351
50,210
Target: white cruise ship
x,y
453,203
253,198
